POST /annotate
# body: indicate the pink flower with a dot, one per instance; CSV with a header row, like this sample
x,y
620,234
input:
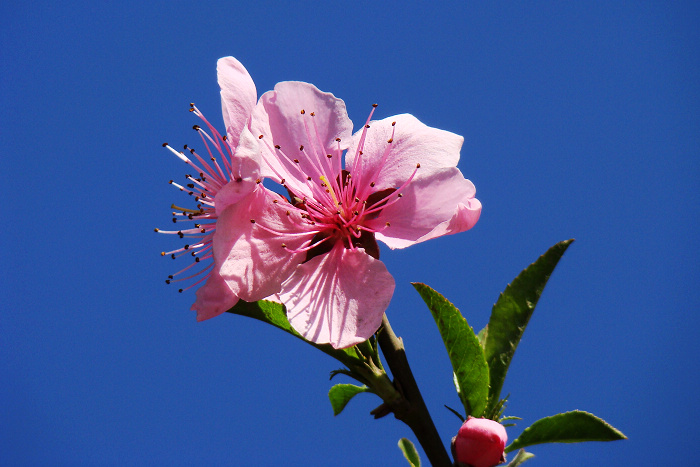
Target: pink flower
x,y
480,443
316,248
215,183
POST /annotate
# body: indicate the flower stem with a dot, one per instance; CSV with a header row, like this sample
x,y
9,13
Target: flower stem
x,y
412,411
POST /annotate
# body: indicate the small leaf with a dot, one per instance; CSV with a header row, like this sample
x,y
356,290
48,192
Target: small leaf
x,y
340,395
482,336
520,457
466,355
459,415
568,427
341,371
511,314
274,313
409,452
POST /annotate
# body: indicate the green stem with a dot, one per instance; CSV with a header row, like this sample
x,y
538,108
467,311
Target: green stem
x,y
412,410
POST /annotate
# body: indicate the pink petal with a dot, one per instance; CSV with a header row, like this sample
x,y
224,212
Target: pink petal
x,y
338,298
252,260
412,143
213,298
238,96
442,204
278,118
245,168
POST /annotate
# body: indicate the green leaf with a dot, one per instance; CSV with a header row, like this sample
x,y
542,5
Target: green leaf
x,y
520,457
340,395
274,313
511,314
459,415
471,373
568,427
482,336
409,452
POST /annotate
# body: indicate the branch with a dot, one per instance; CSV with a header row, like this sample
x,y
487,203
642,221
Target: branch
x,y
412,409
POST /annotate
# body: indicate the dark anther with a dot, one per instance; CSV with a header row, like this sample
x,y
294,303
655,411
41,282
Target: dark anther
x,y
372,184
196,260
303,111
165,144
390,140
366,126
277,146
313,114
418,166
196,127
296,161
252,221
329,155
375,105
301,147
187,247
393,123
260,137
156,230
337,139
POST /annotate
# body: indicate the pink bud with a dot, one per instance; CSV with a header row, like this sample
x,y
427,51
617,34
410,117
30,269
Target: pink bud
x,y
479,443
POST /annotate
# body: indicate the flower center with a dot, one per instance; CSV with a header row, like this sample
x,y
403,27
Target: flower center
x,y
331,204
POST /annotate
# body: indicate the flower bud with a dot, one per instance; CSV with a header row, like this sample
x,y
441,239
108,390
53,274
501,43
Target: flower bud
x,y
479,443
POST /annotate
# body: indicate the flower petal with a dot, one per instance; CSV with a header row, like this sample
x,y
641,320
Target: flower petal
x,y
252,260
390,165
338,298
245,168
238,96
442,204
307,136
213,298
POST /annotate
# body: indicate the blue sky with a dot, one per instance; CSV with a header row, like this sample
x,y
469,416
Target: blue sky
x,y
581,120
